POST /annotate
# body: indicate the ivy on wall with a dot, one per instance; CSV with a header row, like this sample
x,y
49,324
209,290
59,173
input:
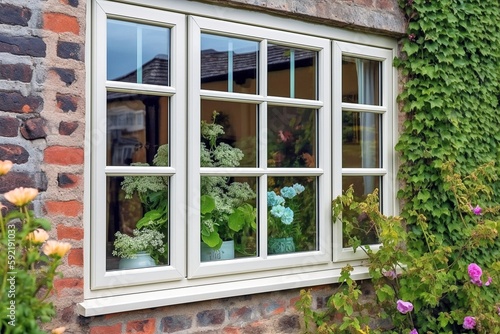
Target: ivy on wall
x,y
451,59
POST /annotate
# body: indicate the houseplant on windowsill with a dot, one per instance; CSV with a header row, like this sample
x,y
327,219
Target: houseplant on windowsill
x,y
280,216
135,251
226,206
152,193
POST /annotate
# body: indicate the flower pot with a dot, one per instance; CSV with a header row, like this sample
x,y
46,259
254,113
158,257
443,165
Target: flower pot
x,y
280,245
225,252
142,260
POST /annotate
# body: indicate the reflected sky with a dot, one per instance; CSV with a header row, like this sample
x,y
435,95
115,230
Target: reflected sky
x,y
124,39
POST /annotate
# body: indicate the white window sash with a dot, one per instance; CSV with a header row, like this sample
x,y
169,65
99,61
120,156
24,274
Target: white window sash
x,y
386,112
262,262
176,270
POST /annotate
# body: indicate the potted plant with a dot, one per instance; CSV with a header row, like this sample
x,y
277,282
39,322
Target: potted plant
x,y
280,216
135,251
226,205
152,192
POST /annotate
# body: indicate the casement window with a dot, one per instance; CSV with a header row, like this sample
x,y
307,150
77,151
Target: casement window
x,y
222,142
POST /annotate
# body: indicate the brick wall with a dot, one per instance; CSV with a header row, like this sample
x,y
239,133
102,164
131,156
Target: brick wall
x,y
42,123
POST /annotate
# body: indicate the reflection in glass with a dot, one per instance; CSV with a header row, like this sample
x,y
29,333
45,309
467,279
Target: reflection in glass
x,y
229,64
291,137
228,217
291,72
360,140
137,129
137,53
235,126
361,81
137,206
291,214
364,229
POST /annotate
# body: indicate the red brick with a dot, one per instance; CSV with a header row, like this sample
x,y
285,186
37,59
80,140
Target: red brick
x,y
62,155
58,22
67,283
68,232
68,208
231,330
146,326
75,257
115,329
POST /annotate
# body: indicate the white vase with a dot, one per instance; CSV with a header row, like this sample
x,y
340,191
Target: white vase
x,y
142,260
225,252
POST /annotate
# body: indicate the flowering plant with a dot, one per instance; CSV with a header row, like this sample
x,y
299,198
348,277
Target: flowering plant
x,y
437,290
28,260
282,209
142,240
226,206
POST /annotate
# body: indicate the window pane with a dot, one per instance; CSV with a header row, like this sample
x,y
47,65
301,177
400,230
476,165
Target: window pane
x,y
228,134
228,217
137,129
364,230
361,81
229,64
137,206
138,53
291,137
360,140
291,214
291,72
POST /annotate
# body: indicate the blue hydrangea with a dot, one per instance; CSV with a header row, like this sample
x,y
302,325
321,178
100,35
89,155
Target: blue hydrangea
x,y
278,211
273,199
298,188
288,192
287,216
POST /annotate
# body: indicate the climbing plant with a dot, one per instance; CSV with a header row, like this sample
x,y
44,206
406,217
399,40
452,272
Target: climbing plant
x,y
451,61
449,150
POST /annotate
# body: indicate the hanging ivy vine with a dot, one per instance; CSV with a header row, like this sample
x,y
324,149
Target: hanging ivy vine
x,y
451,62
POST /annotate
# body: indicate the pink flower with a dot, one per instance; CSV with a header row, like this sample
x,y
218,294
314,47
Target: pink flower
x,y
477,210
469,322
404,307
475,273
488,282
413,331
390,274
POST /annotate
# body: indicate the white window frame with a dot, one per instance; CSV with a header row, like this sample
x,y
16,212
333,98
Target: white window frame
x,y
186,279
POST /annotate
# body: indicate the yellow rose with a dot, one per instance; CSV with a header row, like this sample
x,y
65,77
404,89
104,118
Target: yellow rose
x,y
21,196
59,330
56,248
38,236
5,166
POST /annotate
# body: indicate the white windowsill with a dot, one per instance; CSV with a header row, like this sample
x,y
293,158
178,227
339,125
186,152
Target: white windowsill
x,y
124,303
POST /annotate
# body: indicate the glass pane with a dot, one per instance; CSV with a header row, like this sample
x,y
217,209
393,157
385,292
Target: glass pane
x,y
291,137
364,230
361,81
228,217
360,140
291,214
137,129
291,72
137,221
228,134
138,53
229,64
